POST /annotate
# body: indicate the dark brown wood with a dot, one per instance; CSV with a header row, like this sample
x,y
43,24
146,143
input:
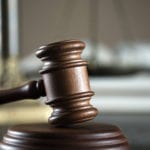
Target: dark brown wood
x,y
66,82
33,89
66,85
91,136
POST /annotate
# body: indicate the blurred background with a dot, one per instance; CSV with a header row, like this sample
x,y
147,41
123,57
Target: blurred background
x,y
117,37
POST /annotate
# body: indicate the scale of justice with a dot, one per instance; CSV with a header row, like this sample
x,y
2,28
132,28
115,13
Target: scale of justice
x,y
65,83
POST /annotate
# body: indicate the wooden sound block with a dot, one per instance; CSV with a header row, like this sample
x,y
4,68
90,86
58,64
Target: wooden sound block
x,y
91,136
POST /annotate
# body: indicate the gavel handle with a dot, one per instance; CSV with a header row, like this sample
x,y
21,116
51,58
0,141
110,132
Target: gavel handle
x,y
31,90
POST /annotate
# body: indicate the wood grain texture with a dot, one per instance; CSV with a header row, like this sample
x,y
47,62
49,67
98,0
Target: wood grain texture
x,y
30,90
66,82
91,136
66,85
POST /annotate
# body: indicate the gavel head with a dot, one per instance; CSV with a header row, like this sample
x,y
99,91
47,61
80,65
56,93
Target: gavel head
x,y
66,82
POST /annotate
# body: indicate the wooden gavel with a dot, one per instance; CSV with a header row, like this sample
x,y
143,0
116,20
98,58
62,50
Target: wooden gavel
x,y
65,83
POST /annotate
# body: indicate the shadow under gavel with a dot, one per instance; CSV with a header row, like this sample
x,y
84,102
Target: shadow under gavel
x,y
65,83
